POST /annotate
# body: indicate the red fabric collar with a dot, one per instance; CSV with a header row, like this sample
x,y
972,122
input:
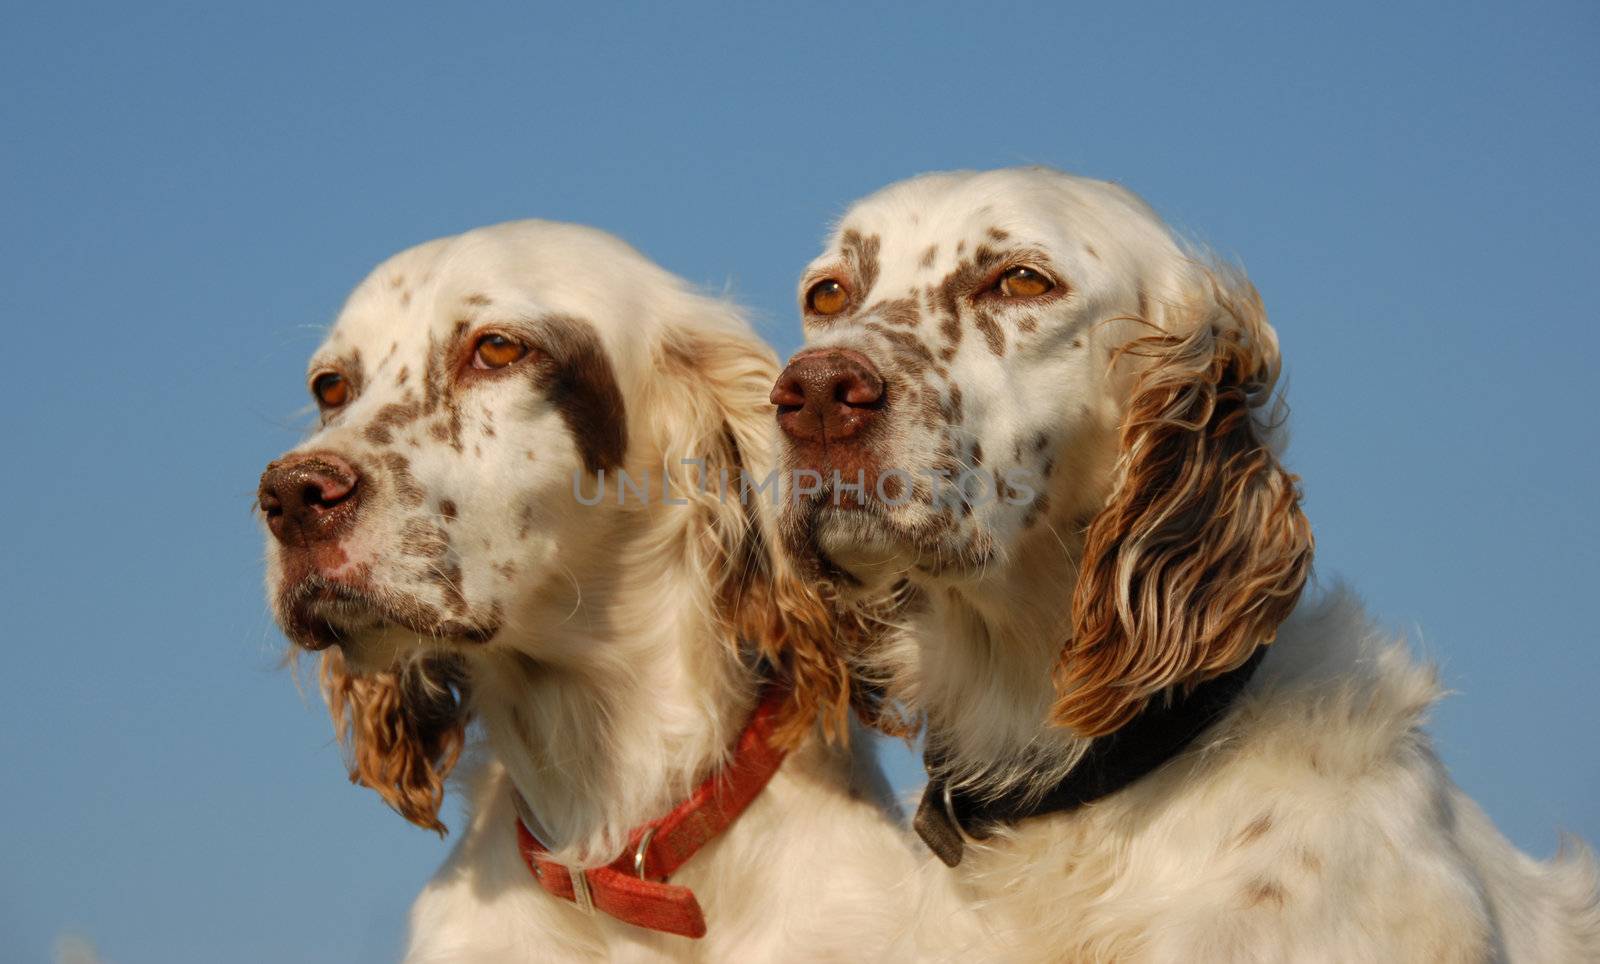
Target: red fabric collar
x,y
633,888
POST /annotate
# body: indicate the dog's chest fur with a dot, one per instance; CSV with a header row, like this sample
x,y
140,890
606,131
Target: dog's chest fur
x,y
1313,823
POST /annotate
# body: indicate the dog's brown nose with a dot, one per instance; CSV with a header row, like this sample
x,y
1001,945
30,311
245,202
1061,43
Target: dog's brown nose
x,y
310,497
827,395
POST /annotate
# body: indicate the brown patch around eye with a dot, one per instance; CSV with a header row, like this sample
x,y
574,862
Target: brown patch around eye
x,y
582,386
331,389
827,297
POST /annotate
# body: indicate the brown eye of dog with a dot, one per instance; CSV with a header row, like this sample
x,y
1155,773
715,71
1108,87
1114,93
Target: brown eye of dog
x,y
1023,282
497,351
827,297
331,389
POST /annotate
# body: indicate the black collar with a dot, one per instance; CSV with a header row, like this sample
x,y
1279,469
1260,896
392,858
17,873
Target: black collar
x,y
1112,762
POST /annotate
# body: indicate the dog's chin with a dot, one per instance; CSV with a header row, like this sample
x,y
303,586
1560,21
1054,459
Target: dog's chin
x,y
374,629
861,550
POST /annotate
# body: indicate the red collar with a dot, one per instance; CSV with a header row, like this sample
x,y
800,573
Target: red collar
x,y
633,888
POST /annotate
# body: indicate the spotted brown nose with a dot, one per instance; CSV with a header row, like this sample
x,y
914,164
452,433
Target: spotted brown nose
x,y
827,395
310,497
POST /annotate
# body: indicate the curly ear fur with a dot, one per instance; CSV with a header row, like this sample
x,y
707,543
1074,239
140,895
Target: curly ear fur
x,y
1202,549
403,729
721,411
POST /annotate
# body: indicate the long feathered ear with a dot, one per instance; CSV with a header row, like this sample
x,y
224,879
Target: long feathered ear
x,y
724,377
403,729
1202,549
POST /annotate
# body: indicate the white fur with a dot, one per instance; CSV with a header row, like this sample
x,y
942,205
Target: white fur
x,y
1315,822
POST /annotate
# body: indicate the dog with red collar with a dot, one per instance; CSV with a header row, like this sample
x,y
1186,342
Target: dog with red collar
x,y
504,518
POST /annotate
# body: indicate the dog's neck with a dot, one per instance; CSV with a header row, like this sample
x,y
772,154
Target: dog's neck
x,y
646,699
978,661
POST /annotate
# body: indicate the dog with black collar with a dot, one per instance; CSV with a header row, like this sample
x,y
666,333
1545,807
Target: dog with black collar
x,y
1047,429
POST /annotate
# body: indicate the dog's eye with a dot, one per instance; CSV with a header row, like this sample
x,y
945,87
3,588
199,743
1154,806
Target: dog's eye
x,y
497,351
827,297
1023,282
331,389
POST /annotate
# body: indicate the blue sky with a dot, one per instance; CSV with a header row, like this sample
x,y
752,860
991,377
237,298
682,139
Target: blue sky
x,y
189,191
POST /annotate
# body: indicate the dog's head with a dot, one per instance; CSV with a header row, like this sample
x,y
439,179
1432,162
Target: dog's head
x,y
1020,377
472,392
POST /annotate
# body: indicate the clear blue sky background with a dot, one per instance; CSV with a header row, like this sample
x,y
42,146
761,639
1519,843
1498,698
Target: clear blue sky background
x,y
188,193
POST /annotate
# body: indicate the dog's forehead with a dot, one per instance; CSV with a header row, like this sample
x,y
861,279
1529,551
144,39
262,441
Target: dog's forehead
x,y
931,220
508,272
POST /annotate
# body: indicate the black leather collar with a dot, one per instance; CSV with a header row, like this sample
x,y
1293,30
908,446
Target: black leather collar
x,y
1159,733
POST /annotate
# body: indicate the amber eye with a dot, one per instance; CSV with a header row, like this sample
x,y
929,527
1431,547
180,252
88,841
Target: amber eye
x,y
497,351
1023,282
827,297
331,389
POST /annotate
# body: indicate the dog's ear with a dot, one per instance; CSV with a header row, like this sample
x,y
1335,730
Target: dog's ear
x,y
720,377
1202,549
402,728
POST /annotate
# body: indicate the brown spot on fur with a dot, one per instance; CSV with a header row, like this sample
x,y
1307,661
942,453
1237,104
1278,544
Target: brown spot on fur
x,y
405,298
438,380
476,300
913,356
1038,508
349,365
1310,861
447,508
1089,250
862,253
391,416
997,234
449,582
405,485
1253,830
899,311
950,328
959,286
403,376
1262,892
929,256
420,537
992,335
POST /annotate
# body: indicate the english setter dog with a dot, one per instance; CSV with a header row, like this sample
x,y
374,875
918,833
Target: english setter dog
x,y
459,542
1048,428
